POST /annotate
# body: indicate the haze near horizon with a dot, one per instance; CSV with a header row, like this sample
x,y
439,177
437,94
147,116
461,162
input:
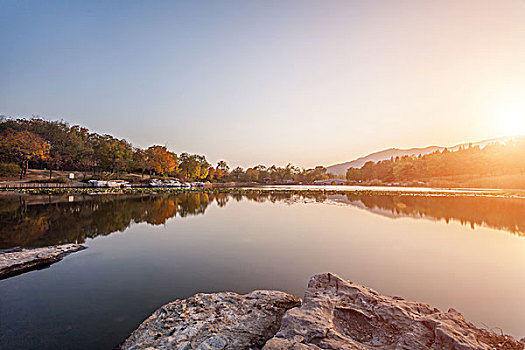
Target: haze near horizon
x,y
304,82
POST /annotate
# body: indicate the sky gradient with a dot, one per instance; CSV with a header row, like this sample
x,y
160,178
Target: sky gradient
x,y
264,82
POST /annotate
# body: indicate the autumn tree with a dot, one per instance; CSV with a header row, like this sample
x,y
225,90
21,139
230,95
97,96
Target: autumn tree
x,y
22,147
317,173
262,172
193,166
222,165
141,161
212,174
237,173
221,170
161,160
251,174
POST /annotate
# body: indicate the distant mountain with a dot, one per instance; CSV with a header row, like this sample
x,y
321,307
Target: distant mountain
x,y
340,169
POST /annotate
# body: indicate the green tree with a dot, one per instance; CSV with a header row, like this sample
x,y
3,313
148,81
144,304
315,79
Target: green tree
x,y
111,154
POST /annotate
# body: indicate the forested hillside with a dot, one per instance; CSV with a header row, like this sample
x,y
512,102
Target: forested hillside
x,y
493,160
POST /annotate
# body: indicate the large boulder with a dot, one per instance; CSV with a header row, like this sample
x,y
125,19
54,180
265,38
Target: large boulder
x,y
337,314
214,321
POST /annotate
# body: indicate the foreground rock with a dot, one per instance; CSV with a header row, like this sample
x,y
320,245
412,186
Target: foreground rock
x,y
337,314
17,261
214,321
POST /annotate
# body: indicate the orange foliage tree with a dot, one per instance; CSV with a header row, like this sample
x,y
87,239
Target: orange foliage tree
x,y
22,147
161,160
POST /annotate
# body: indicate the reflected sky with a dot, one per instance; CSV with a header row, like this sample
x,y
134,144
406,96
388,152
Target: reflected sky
x,y
172,246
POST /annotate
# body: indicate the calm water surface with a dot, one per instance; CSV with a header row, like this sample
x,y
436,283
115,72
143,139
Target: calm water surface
x,y
143,251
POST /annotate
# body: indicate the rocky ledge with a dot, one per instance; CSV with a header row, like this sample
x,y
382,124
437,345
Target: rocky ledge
x,y
17,261
335,314
214,321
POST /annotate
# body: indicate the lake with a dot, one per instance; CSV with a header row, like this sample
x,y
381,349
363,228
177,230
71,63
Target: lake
x,y
455,250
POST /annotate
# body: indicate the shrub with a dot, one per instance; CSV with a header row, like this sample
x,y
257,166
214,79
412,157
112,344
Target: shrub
x,y
374,182
56,180
9,169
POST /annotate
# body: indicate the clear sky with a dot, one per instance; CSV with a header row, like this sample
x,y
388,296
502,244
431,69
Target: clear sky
x,y
308,82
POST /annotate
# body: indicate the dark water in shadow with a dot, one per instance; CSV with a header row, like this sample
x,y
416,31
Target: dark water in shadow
x,y
464,252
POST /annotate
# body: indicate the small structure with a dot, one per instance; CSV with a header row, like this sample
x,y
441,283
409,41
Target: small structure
x,y
330,182
109,184
119,184
98,183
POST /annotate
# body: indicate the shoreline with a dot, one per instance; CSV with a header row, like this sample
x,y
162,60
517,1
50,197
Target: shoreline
x,y
360,190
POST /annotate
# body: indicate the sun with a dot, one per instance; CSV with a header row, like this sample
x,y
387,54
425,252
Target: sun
x,y
511,118
512,125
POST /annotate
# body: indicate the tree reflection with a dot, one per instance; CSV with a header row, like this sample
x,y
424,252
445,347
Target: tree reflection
x,y
507,214
41,223
33,221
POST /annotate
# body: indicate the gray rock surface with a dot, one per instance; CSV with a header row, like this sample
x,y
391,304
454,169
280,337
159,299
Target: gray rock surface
x,y
17,261
337,314
214,321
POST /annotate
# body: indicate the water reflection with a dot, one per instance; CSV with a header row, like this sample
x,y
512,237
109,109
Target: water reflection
x,y
393,243
506,214
33,221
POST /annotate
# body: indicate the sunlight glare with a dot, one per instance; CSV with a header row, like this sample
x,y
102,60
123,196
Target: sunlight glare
x,y
511,118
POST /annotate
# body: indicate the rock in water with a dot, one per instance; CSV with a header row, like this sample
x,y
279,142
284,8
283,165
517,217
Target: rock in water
x,y
214,321
337,314
16,261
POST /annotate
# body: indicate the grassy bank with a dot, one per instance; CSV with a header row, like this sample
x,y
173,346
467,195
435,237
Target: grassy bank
x,y
260,190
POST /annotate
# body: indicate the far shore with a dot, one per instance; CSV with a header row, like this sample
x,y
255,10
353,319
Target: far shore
x,y
37,178
249,188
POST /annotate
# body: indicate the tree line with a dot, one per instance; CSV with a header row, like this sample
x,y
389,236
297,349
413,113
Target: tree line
x,y
492,160
55,145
